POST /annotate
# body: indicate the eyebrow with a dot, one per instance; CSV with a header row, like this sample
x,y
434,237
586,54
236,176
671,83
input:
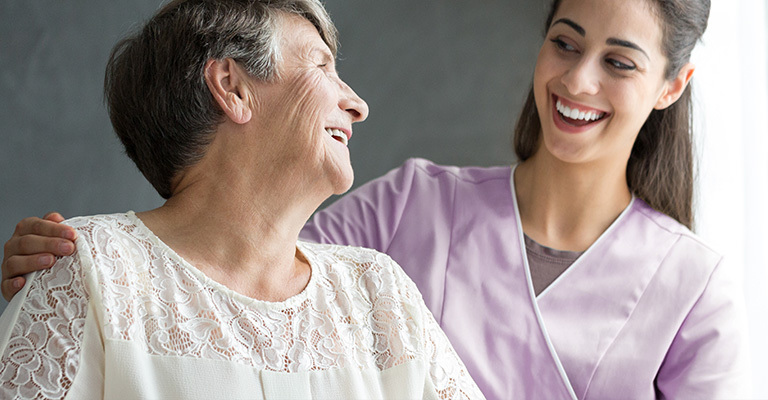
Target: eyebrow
x,y
324,53
610,41
576,27
627,44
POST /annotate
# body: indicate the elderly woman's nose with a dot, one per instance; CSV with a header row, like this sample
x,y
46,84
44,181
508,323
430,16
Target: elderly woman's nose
x,y
353,104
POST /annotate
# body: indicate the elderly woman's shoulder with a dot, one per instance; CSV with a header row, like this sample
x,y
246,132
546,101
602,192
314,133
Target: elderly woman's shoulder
x,y
91,225
95,234
90,221
120,233
343,254
355,263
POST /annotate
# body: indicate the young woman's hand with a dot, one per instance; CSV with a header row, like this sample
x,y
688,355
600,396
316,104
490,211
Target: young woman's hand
x,y
35,244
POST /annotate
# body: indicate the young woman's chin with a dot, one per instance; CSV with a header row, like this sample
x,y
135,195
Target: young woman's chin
x,y
605,142
567,148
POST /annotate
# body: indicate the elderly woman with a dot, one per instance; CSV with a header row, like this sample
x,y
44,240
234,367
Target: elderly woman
x,y
233,110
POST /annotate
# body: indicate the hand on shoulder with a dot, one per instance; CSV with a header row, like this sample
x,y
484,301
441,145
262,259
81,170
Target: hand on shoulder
x,y
34,245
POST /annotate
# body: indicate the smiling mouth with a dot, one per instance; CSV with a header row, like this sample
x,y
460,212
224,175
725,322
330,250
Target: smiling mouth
x,y
338,135
576,117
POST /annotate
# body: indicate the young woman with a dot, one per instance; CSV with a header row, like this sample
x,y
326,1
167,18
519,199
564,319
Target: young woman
x,y
573,274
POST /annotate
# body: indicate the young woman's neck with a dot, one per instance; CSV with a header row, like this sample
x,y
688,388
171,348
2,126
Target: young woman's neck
x,y
568,206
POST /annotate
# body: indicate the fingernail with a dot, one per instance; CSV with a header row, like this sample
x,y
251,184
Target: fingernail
x,y
17,284
45,260
66,247
68,235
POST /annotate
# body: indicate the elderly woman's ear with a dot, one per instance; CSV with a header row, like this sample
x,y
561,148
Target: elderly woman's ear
x,y
229,85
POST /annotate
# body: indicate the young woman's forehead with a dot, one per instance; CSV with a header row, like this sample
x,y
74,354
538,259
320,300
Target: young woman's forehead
x,y
634,21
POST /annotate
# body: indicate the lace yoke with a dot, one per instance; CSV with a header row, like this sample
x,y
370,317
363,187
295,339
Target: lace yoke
x,y
358,310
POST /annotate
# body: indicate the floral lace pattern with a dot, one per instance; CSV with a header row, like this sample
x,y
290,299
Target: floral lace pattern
x,y
42,354
358,310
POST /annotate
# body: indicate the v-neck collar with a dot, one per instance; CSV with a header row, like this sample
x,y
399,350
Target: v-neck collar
x,y
584,255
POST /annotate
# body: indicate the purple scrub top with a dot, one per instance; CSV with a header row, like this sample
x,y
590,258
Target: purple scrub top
x,y
647,311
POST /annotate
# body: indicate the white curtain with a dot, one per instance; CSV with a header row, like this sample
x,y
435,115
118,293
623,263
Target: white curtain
x,y
731,122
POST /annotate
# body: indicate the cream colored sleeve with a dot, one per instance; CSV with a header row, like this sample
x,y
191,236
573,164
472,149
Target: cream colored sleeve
x,y
446,373
42,334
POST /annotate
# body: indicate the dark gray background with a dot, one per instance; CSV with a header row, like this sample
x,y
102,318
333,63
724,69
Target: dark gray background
x,y
443,78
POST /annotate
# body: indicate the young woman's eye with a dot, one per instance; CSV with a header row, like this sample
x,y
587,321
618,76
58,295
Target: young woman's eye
x,y
619,65
562,45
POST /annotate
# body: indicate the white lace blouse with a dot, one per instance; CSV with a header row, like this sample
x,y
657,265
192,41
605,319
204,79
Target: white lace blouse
x,y
126,317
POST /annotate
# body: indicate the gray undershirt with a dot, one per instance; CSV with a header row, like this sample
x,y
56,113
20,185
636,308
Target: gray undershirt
x,y
546,263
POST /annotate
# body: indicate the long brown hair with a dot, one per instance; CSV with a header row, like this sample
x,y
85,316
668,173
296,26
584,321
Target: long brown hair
x,y
660,166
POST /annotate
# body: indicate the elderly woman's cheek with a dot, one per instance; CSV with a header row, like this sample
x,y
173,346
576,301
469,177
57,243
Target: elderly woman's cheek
x,y
315,93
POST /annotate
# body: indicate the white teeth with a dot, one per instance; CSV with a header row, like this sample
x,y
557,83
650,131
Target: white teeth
x,y
338,134
575,113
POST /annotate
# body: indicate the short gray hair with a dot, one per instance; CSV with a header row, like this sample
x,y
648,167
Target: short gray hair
x,y
158,101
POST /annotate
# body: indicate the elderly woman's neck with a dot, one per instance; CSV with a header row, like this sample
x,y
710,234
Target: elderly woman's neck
x,y
240,233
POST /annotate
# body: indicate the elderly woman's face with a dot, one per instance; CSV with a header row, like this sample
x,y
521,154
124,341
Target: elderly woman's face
x,y
309,111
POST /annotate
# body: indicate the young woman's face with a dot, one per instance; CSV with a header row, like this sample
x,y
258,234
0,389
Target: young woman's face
x,y
598,75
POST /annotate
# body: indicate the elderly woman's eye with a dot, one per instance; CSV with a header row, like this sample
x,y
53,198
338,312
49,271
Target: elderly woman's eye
x,y
562,45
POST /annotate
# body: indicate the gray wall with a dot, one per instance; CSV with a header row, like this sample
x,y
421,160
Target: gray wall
x,y
443,78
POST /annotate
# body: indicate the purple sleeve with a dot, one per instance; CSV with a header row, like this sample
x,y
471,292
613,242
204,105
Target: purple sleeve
x,y
368,216
707,358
